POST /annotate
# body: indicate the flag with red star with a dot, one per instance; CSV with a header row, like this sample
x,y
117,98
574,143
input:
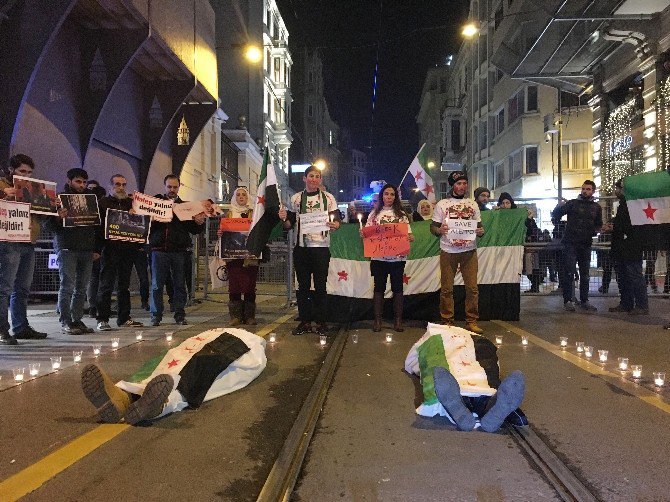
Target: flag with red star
x,y
418,177
648,200
266,205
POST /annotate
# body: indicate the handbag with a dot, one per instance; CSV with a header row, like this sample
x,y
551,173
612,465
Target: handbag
x,y
218,273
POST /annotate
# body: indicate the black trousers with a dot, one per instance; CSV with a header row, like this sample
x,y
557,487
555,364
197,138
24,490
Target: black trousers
x,y
311,264
116,265
380,271
141,264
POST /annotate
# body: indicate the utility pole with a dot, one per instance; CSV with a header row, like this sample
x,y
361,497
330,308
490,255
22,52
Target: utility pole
x,y
559,157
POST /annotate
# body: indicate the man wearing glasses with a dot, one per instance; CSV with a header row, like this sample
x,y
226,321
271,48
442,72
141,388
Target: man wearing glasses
x,y
117,260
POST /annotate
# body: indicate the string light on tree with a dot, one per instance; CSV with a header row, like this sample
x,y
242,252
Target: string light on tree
x,y
619,160
663,118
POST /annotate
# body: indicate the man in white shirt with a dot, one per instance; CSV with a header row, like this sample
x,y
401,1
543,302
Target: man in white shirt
x,y
458,247
311,255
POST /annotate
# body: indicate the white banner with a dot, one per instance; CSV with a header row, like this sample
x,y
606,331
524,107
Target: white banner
x,y
313,223
158,209
14,221
463,230
185,211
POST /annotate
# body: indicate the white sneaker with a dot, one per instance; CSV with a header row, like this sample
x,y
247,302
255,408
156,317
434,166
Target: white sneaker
x,y
104,326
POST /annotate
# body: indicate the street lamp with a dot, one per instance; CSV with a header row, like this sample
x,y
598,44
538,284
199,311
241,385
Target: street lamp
x,y
320,164
253,54
430,164
470,30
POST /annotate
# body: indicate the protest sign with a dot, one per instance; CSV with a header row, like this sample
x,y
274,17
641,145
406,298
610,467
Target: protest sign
x,y
463,230
235,224
124,226
313,223
158,209
14,221
233,246
187,210
388,239
40,194
82,209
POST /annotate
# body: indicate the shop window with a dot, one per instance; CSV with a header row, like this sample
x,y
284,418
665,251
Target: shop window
x,y
531,160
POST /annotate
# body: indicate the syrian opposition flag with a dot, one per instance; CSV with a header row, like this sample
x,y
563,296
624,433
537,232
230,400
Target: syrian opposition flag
x,y
648,199
213,363
500,255
266,207
418,170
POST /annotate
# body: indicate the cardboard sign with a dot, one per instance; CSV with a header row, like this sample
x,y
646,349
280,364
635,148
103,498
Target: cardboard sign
x,y
14,221
462,230
386,240
235,224
82,209
158,209
185,211
40,194
124,226
313,223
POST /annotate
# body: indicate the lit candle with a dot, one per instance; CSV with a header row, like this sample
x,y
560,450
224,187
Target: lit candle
x,y
564,341
273,337
34,369
323,340
659,378
623,363
580,346
389,337
636,370
524,340
588,350
76,356
96,350
55,363
354,337
332,218
499,339
168,336
115,343
18,374
360,220
138,335
602,355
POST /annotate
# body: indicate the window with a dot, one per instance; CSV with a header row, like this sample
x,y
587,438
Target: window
x,y
455,135
531,160
515,165
268,60
443,190
268,18
531,105
330,138
498,16
277,76
269,108
501,174
286,75
512,107
277,116
576,156
483,137
500,121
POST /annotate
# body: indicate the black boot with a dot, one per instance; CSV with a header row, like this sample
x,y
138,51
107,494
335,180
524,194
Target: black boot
x,y
236,313
397,312
378,307
7,339
250,312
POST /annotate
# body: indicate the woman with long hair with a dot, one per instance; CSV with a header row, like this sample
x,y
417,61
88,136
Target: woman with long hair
x,y
387,209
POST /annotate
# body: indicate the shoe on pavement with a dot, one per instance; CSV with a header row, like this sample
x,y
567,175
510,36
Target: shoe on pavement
x,y
507,399
569,306
588,307
152,401
84,329
181,321
30,334
70,328
155,321
449,394
472,326
103,326
131,324
7,339
320,328
303,328
638,311
618,308
110,401
666,326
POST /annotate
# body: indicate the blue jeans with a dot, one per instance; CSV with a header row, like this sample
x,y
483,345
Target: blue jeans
x,y
573,255
17,263
74,270
163,265
632,284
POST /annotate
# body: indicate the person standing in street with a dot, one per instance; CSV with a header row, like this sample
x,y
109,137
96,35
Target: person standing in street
x,y
17,264
76,254
311,255
455,252
168,242
585,220
117,260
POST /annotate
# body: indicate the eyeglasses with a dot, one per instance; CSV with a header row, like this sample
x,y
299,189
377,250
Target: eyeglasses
x,y
120,184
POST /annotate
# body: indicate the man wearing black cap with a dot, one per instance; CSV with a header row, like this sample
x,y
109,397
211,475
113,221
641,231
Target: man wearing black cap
x,y
482,196
458,247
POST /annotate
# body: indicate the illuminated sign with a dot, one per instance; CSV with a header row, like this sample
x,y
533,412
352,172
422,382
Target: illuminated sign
x,y
619,145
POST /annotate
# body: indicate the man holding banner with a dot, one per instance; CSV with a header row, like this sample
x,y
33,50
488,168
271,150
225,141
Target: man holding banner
x,y
457,222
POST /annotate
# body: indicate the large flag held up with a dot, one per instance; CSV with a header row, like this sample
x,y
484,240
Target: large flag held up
x,y
266,207
418,170
648,199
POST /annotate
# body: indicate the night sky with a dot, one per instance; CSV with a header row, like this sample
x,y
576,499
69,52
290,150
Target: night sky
x,y
415,35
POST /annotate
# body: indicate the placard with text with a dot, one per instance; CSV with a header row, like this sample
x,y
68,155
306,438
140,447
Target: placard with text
x,y
159,209
388,239
125,226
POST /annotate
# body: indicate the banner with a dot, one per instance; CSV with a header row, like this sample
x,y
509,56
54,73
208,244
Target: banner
x,y
235,224
40,194
14,221
82,209
464,230
124,226
185,211
158,209
387,239
233,246
314,223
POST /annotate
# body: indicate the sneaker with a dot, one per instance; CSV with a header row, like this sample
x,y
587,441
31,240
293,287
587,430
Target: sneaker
x,y
618,308
103,326
30,334
569,306
303,328
181,322
70,328
587,307
472,326
155,321
84,329
131,324
7,339
638,311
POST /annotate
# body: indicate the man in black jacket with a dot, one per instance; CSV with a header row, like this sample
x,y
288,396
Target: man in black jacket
x,y
584,221
168,242
76,253
117,260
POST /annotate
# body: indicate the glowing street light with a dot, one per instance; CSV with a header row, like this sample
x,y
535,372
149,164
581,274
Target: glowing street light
x,y
430,164
320,164
470,30
253,54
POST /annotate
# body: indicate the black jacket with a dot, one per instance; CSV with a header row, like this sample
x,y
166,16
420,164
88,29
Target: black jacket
x,y
72,238
585,217
173,236
110,202
626,244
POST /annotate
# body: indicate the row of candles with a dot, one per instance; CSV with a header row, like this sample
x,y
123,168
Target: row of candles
x,y
323,339
77,355
587,350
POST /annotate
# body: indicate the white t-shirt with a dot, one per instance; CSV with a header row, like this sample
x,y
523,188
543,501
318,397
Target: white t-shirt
x,y
387,215
465,209
313,204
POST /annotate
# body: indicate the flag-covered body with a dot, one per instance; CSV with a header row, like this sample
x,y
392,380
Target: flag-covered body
x,y
418,170
648,199
500,256
213,363
266,206
451,348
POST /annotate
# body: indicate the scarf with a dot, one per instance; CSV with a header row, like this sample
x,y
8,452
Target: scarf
x,y
235,209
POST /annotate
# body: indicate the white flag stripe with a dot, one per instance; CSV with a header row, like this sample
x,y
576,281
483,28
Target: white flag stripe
x,y
658,208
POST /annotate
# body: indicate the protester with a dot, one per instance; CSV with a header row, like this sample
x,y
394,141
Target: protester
x,y
168,242
311,255
117,260
242,273
505,201
482,196
75,247
388,210
457,252
584,221
17,264
424,211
